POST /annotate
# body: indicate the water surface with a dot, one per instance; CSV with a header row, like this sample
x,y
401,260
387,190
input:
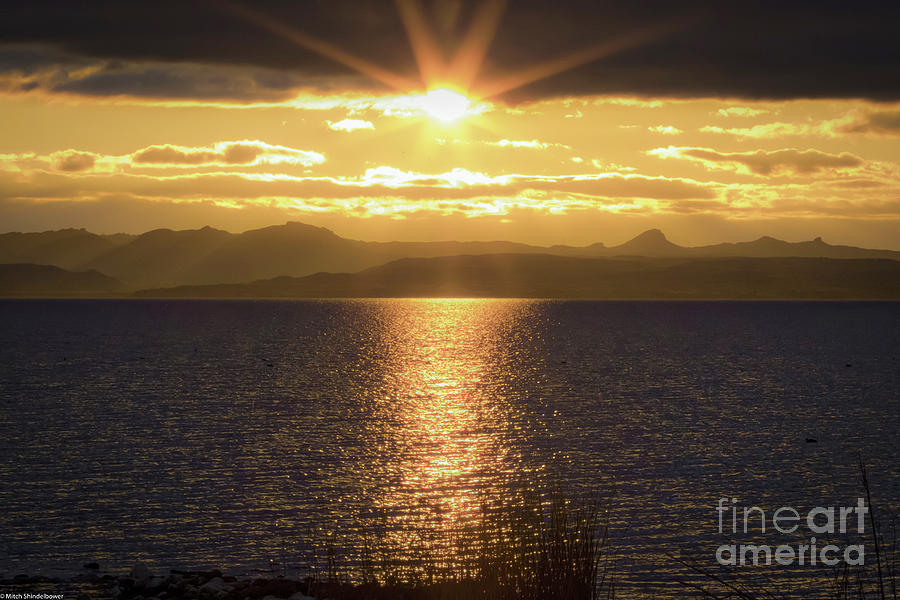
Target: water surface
x,y
237,434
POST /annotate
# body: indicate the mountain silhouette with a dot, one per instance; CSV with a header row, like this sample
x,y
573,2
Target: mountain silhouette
x,y
165,258
44,280
652,242
548,276
66,248
161,256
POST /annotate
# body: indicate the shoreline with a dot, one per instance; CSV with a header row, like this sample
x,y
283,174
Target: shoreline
x,y
140,582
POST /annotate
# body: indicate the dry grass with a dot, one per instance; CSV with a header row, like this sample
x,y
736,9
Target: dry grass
x,y
522,549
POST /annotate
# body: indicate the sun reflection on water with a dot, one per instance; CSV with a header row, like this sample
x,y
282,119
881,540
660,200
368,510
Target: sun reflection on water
x,y
449,440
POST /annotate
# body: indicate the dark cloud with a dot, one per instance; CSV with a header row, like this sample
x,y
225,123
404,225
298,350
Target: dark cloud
x,y
879,122
763,162
241,154
75,161
180,81
33,67
619,186
30,60
857,184
746,48
171,154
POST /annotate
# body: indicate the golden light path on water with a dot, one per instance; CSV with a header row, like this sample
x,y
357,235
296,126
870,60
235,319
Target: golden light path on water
x,y
444,419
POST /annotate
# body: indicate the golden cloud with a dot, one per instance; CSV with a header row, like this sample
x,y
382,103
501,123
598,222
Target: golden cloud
x,y
379,182
349,125
767,130
741,111
247,152
665,129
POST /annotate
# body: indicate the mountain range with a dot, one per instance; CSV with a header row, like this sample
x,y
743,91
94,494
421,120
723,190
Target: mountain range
x,y
166,258
548,276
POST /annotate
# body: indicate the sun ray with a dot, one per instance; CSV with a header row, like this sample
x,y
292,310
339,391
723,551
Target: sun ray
x,y
321,47
428,55
551,67
470,56
449,94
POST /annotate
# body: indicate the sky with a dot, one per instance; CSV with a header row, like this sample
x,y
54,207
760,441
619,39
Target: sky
x,y
547,123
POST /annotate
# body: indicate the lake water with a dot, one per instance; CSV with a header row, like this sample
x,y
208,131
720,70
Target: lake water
x,y
238,434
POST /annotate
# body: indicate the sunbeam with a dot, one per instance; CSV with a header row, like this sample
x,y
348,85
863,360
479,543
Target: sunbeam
x,y
469,57
459,74
321,47
422,40
590,54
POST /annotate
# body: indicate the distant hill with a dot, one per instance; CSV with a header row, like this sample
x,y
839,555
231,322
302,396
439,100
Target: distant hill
x,y
44,280
548,276
653,243
769,247
207,255
66,248
164,258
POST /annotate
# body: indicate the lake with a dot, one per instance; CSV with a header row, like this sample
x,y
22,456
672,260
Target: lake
x,y
241,434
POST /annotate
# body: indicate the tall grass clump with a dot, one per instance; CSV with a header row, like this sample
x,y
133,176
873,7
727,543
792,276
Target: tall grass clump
x,y
524,548
534,550
876,581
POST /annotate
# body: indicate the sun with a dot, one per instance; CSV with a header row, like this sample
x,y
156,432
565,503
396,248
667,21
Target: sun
x,y
444,104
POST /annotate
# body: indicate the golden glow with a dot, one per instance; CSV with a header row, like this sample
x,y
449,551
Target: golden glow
x,y
445,105
380,167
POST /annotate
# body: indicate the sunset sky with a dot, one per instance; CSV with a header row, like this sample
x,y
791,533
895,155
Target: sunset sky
x,y
562,122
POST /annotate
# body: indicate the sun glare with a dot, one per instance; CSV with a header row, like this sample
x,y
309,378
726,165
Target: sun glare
x,y
445,105
463,67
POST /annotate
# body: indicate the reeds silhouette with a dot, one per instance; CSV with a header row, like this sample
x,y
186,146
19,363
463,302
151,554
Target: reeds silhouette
x,y
524,548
